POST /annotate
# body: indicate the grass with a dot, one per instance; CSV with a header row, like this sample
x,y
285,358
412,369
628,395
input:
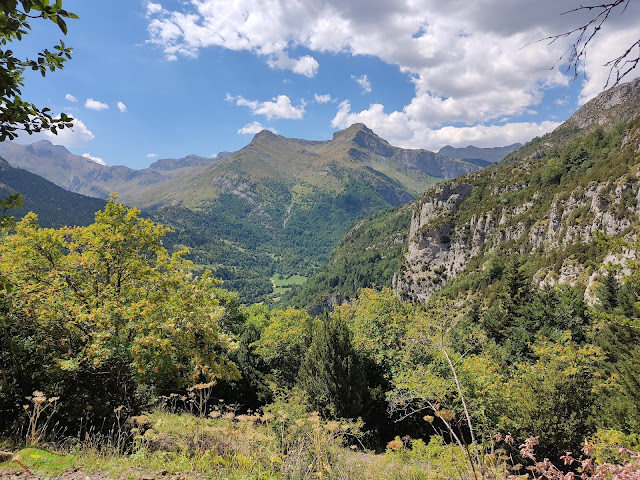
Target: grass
x,y
262,447
285,442
282,285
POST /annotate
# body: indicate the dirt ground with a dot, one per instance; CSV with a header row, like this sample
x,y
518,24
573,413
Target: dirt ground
x,y
79,474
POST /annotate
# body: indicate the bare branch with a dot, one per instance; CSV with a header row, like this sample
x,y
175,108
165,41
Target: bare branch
x,y
577,52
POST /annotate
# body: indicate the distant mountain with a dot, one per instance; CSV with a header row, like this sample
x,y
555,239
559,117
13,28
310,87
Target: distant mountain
x,y
280,205
54,205
82,175
397,174
471,153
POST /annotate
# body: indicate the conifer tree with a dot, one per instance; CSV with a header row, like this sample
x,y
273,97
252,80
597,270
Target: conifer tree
x,y
331,373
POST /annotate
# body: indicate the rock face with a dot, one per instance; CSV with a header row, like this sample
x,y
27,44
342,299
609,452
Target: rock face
x,y
508,210
439,250
619,104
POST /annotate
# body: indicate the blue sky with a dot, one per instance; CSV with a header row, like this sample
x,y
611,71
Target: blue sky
x,y
169,78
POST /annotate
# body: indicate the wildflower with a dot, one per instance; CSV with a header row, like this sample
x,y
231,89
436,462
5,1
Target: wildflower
x,y
587,449
526,449
333,426
587,466
498,436
567,459
508,439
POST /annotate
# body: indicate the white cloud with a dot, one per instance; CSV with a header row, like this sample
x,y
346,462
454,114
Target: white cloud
x,y
253,128
153,8
78,136
122,107
94,159
152,155
95,104
279,107
466,59
364,83
322,98
404,131
306,65
70,98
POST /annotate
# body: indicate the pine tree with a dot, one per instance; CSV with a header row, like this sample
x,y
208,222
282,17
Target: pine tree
x,y
331,373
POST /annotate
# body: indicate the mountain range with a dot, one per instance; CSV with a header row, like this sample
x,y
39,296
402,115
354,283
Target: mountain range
x,y
543,204
278,205
480,156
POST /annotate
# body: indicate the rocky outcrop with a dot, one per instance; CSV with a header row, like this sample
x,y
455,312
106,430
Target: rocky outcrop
x,y
619,104
550,206
440,248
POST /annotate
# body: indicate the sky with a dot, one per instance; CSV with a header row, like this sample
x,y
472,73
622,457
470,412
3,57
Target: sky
x,y
169,78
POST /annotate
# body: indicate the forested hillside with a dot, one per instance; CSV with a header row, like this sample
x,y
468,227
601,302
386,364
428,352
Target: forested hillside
x,y
369,255
54,205
276,207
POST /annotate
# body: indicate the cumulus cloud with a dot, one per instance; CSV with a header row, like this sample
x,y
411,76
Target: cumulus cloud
x,y
278,107
322,98
152,155
253,128
306,65
153,8
401,130
70,98
95,104
122,107
364,83
78,136
94,159
471,63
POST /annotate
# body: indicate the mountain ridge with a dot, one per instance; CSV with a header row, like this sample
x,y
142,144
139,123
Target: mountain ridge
x,y
471,152
54,205
546,202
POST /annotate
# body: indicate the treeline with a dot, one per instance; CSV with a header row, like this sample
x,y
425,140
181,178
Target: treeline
x,y
102,317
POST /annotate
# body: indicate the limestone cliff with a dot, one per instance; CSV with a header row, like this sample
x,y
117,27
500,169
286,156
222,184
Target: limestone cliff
x,y
546,206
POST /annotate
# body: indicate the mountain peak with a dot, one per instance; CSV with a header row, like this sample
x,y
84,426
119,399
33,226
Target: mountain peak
x,y
364,137
263,134
617,104
352,131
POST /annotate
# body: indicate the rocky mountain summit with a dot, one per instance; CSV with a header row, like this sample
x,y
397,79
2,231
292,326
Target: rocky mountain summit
x,y
549,202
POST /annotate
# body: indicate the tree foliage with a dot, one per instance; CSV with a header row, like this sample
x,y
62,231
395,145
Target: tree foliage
x,y
331,373
15,22
108,301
